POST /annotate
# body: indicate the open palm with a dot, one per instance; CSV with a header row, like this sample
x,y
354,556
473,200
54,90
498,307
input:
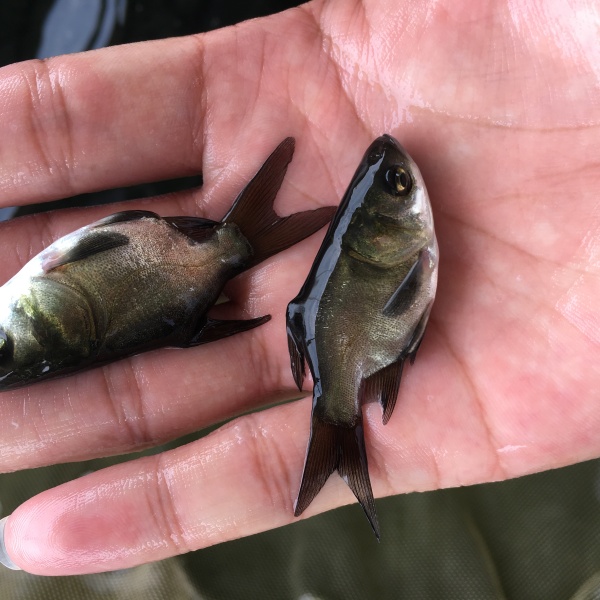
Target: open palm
x,y
496,103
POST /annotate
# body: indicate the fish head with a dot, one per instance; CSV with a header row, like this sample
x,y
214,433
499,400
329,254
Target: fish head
x,y
392,214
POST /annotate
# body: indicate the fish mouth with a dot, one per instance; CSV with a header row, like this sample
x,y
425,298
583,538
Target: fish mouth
x,y
387,139
385,143
378,148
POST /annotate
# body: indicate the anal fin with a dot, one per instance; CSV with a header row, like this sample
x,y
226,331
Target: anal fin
x,y
383,386
215,329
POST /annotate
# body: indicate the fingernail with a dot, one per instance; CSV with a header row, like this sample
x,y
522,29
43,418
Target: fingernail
x,y
4,558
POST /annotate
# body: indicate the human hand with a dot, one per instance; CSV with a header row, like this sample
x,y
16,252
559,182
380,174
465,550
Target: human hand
x,y
497,104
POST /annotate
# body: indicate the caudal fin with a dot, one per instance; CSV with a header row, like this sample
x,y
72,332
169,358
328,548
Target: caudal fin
x,y
253,213
331,448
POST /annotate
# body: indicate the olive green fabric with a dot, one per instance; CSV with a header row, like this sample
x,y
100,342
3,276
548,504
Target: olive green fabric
x,y
528,538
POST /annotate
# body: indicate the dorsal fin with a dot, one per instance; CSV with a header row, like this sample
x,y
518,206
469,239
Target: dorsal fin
x,y
91,243
195,228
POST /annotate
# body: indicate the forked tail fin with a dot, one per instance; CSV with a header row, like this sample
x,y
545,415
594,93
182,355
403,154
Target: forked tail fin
x,y
342,449
253,213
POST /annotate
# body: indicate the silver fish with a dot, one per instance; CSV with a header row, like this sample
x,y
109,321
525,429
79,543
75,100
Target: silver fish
x,y
135,281
362,312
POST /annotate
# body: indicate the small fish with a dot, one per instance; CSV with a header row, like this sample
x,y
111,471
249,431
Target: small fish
x,y
135,281
361,313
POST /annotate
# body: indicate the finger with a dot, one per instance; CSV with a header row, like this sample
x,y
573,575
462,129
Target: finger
x,y
96,120
163,109
238,481
203,514
244,477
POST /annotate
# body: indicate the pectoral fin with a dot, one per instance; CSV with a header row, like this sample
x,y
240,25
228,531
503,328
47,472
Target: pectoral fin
x,y
89,244
215,329
402,298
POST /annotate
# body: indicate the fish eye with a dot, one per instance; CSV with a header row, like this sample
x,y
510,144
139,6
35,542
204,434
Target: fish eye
x,y
399,180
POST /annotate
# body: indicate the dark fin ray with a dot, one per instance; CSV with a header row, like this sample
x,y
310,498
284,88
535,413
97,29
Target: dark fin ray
x,y
383,386
253,213
88,245
402,298
262,189
288,231
196,228
126,215
322,459
297,360
296,336
335,447
354,470
215,329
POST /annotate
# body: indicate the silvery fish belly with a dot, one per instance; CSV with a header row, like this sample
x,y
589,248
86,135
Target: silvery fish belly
x,y
135,281
362,313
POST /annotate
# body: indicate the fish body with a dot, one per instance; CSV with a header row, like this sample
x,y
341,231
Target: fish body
x,y
362,312
135,281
